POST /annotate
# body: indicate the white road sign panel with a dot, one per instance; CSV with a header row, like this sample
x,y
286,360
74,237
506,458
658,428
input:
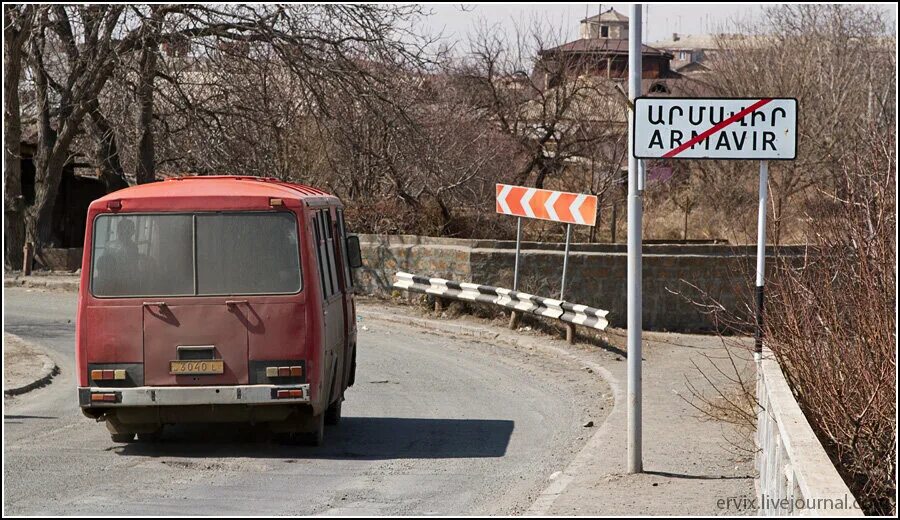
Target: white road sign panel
x,y
715,128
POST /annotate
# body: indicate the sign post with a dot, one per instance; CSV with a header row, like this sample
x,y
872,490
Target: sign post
x,y
562,285
761,251
518,243
556,206
635,218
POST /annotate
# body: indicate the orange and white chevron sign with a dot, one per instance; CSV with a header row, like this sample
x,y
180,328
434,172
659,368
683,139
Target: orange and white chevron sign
x,y
558,206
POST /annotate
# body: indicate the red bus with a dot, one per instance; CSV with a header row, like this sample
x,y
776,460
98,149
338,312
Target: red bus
x,y
216,299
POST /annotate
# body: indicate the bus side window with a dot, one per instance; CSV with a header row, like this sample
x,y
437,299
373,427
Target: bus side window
x,y
326,292
342,239
329,282
329,250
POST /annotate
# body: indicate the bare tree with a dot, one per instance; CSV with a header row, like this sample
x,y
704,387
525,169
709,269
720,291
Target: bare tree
x,y
567,123
74,51
831,317
149,49
834,331
106,158
17,22
359,115
250,70
70,61
430,169
838,61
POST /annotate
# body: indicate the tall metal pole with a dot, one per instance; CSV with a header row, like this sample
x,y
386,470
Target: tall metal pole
x,y
761,251
562,287
635,210
518,245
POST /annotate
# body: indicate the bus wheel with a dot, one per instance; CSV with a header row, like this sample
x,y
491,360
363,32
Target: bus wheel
x,y
316,437
333,413
121,437
352,368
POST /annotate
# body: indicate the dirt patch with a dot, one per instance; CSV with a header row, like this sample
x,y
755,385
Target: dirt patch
x,y
25,366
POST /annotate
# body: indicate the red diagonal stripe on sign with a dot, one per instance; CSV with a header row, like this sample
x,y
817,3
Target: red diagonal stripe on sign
x,y
562,207
716,128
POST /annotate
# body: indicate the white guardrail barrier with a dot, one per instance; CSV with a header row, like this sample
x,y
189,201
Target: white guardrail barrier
x,y
515,300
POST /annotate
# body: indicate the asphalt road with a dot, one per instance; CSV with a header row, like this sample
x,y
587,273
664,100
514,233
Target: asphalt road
x,y
434,425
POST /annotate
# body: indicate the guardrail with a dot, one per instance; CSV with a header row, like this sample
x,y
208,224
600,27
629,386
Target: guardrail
x,y
567,312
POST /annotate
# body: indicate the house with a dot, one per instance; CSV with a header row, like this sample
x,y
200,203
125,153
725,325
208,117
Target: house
x,y
694,53
602,51
608,24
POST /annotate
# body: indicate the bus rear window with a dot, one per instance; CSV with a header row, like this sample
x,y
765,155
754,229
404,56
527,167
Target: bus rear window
x,y
201,254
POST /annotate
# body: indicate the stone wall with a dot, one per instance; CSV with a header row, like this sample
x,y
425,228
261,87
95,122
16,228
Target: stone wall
x,y
59,259
384,255
672,274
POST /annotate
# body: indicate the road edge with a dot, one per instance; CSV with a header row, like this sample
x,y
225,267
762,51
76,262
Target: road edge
x,y
42,282
49,368
559,481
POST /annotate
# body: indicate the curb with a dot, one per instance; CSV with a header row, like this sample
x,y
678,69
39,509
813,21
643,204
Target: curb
x,y
35,282
560,480
48,370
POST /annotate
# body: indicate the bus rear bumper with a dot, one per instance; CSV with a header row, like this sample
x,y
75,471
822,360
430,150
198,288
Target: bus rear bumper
x,y
96,397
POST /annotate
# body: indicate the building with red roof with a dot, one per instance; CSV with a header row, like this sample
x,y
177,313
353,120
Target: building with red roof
x,y
602,51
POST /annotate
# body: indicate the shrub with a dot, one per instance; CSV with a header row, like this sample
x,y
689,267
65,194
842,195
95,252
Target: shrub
x,y
831,323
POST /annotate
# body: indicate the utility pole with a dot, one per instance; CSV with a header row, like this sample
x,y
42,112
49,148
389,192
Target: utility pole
x,y
635,217
645,36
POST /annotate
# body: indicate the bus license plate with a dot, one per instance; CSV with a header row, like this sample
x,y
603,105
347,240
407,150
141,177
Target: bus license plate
x,y
197,367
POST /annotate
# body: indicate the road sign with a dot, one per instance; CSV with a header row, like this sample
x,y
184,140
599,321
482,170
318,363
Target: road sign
x,y
558,206
715,128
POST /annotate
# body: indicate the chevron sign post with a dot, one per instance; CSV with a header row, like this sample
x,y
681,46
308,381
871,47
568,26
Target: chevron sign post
x,y
558,206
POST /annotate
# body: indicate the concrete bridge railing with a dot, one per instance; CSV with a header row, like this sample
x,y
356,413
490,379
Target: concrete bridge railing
x,y
796,477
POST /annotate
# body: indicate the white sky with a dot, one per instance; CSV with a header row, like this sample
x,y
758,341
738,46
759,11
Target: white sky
x,y
456,20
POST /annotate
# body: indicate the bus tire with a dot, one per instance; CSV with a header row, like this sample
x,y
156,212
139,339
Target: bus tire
x,y
122,437
333,413
316,437
352,369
